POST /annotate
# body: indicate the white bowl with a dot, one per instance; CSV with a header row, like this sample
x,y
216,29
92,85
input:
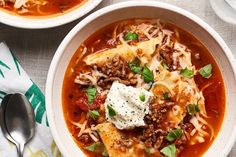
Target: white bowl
x,y
39,23
140,9
224,11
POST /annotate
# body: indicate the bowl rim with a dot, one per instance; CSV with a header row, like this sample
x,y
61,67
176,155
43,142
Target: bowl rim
x,y
50,22
215,6
113,7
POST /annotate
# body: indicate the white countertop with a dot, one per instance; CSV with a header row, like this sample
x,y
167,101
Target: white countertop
x,y
35,48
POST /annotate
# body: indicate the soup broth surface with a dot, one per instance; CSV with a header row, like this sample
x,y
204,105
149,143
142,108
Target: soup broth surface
x,y
207,112
40,8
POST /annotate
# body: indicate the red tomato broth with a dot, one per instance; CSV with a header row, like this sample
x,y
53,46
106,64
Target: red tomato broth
x,y
214,94
50,9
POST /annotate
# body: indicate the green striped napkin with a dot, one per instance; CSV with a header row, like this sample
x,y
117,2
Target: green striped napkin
x,y
14,79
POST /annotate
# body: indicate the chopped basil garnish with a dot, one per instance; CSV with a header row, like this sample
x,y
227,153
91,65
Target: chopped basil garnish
x,y
206,71
147,75
142,97
192,109
94,114
136,69
111,111
169,151
148,150
166,96
135,66
165,66
187,73
93,147
131,36
91,92
97,146
104,152
174,134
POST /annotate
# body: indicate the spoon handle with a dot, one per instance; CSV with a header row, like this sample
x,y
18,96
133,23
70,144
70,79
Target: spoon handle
x,y
20,149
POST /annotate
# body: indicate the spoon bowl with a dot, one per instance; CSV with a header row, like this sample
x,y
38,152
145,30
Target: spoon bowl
x,y
2,119
18,120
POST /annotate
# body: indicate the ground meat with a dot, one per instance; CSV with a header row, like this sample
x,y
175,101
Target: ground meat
x,y
142,37
85,138
187,127
155,130
158,114
159,142
180,141
116,69
111,79
152,137
123,144
166,55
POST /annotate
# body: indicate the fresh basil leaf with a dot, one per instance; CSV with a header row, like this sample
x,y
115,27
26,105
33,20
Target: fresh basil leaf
x,y
93,147
187,73
166,96
142,97
135,66
136,69
206,71
165,66
131,36
136,61
147,151
169,151
147,75
104,153
174,134
94,114
91,92
192,109
97,146
111,111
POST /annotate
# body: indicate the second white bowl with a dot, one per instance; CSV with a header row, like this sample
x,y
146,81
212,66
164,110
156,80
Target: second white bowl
x,y
39,23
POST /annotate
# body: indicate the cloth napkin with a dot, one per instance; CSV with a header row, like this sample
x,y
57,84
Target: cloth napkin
x,y
14,79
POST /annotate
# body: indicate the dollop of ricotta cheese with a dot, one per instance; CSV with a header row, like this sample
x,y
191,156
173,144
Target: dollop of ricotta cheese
x,y
129,104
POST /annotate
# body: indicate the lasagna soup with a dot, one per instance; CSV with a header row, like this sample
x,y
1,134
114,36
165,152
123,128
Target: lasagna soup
x,y
39,8
140,88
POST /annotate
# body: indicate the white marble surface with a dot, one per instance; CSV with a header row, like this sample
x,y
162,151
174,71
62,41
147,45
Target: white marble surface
x,y
35,48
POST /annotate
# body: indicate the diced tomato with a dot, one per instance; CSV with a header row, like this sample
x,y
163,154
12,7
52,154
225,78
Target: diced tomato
x,y
82,103
97,102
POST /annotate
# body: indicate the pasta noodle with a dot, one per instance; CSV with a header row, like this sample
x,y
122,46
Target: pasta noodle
x,y
141,86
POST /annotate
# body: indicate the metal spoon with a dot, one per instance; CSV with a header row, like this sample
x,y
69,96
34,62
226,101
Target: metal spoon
x,y
19,120
2,119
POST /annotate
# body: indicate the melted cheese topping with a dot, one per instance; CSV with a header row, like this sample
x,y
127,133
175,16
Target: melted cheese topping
x,y
130,109
143,51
